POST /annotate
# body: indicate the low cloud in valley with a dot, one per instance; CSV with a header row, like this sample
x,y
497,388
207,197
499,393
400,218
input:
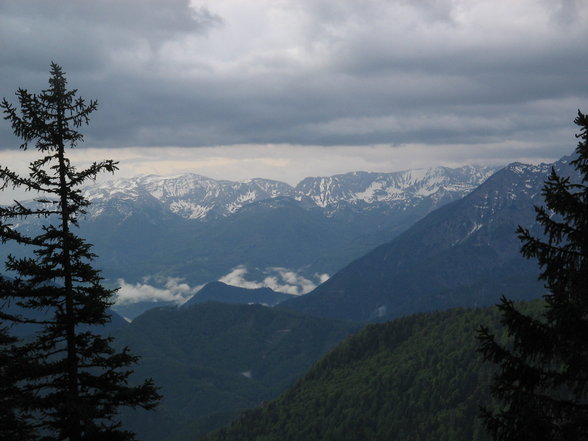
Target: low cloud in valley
x,y
276,278
168,290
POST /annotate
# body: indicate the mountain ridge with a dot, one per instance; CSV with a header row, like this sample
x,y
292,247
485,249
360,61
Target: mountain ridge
x,y
470,242
414,378
196,197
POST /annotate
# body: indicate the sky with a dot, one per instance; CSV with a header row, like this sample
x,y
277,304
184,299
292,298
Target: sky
x,y
285,89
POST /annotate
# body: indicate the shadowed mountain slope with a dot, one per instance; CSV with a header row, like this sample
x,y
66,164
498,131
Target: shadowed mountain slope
x,y
463,254
415,378
214,360
221,292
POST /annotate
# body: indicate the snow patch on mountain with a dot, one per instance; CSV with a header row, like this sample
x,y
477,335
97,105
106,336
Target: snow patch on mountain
x,y
371,193
188,210
190,196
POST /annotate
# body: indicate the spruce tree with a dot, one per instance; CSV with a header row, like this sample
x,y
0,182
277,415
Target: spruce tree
x,y
542,372
76,379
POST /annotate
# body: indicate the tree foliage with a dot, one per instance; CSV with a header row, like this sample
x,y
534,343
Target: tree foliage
x,y
76,380
14,425
542,379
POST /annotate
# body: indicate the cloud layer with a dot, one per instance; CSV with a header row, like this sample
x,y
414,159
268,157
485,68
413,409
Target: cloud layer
x,y
169,290
175,290
310,72
279,279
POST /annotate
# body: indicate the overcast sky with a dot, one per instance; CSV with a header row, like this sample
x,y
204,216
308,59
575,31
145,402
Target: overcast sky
x,y
285,89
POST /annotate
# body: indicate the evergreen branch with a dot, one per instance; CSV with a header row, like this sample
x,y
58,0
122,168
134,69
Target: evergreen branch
x,y
13,180
93,171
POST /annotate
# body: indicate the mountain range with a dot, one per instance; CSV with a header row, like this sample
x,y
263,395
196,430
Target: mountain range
x,y
213,360
198,229
196,197
397,243
465,253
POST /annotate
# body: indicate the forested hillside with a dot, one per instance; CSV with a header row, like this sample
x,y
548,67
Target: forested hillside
x,y
215,360
415,378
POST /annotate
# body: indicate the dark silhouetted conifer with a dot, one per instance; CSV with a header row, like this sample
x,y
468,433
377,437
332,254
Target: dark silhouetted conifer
x,y
76,379
14,425
542,376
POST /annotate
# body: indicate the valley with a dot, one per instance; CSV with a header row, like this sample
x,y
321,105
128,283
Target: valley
x,y
462,254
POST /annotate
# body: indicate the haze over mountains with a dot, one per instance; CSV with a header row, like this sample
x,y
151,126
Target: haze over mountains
x,y
166,237
150,230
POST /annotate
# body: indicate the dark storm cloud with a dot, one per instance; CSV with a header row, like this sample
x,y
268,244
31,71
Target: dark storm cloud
x,y
85,35
307,72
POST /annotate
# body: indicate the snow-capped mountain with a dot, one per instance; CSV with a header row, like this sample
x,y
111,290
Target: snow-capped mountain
x,y
198,230
399,190
192,196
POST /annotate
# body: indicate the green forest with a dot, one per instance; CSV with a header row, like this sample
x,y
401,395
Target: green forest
x,y
415,378
212,361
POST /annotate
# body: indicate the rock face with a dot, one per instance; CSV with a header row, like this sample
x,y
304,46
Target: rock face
x,y
463,254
